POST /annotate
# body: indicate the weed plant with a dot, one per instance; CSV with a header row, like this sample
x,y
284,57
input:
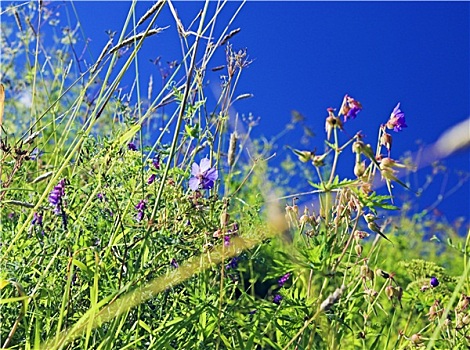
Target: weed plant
x,y
154,221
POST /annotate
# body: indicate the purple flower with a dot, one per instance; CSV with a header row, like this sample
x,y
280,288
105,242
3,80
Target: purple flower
x,y
203,175
55,197
350,108
434,282
235,227
151,179
37,219
140,210
277,299
397,119
100,196
283,279
352,113
156,162
232,264
226,240
174,263
131,146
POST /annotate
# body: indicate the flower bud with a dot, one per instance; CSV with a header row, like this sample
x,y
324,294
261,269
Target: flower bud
x,y
360,168
319,161
358,248
357,147
366,272
295,209
390,292
386,140
466,320
360,234
304,219
416,339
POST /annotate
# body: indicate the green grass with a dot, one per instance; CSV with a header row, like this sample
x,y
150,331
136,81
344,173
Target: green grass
x,y
121,262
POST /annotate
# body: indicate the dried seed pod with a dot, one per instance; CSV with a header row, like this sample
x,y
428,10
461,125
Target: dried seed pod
x,y
232,148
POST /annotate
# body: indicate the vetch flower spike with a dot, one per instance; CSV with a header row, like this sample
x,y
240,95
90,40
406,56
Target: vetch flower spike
x,y
283,279
277,299
204,176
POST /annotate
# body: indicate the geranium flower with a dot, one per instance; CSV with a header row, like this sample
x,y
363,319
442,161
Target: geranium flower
x,y
350,108
397,119
203,175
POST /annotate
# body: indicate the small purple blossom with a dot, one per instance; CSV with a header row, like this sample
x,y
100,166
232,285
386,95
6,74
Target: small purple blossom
x,y
131,146
235,227
352,114
397,119
226,240
203,175
233,264
151,179
156,162
277,299
174,263
100,196
37,219
140,210
283,279
434,282
350,108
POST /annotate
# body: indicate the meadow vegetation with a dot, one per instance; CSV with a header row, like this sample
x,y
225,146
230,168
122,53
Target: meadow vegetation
x,y
143,218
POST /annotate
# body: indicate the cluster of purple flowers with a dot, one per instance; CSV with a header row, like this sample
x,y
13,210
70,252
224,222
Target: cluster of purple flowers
x,y
281,282
277,299
56,200
156,164
233,264
131,146
37,219
283,279
140,210
56,195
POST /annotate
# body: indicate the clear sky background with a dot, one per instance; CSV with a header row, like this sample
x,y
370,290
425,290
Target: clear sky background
x,y
307,55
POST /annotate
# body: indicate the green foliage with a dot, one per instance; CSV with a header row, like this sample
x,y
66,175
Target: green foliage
x,y
104,245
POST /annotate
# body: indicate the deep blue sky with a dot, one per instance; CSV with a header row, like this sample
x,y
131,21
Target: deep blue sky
x,y
307,55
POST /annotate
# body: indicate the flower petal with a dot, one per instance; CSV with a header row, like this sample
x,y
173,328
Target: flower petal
x,y
195,170
194,183
204,165
212,174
